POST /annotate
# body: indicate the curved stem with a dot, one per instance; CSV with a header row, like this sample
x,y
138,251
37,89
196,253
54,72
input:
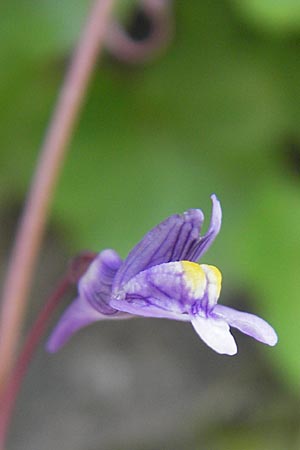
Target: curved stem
x,y
30,232
8,399
9,396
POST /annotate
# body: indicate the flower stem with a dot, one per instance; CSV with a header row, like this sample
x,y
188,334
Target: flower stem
x,y
31,227
8,399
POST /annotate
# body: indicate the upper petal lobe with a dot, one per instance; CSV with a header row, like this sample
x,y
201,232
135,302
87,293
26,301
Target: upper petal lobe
x,y
201,245
171,240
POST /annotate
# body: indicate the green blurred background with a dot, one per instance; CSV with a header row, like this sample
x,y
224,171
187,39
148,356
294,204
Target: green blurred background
x,y
217,112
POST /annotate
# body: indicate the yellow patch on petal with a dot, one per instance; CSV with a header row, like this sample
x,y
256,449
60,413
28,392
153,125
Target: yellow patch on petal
x,y
214,279
194,278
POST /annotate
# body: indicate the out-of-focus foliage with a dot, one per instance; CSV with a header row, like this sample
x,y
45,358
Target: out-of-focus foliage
x,y
216,113
276,16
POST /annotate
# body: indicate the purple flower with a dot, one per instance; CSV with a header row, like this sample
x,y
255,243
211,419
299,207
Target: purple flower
x,y
161,278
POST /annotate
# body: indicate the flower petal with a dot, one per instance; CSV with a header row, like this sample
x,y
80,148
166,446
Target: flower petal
x,y
92,303
171,240
215,333
247,323
144,308
160,291
78,315
96,284
204,242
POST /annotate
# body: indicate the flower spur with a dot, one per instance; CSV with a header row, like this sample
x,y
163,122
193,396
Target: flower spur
x,y
161,278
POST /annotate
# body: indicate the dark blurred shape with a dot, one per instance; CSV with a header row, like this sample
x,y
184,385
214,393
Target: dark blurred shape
x,y
140,26
291,154
147,35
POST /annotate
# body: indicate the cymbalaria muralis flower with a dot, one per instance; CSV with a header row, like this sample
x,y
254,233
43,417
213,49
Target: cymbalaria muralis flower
x,y
161,278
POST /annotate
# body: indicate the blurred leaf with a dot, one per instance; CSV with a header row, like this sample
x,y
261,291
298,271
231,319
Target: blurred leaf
x,y
277,16
261,437
273,425
268,248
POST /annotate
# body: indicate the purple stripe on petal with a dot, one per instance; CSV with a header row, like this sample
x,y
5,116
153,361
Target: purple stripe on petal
x,y
144,307
215,333
92,303
96,284
247,323
204,242
156,292
78,315
169,241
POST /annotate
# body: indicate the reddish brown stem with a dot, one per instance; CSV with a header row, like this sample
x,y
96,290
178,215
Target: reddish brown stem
x,y
30,232
8,399
9,396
